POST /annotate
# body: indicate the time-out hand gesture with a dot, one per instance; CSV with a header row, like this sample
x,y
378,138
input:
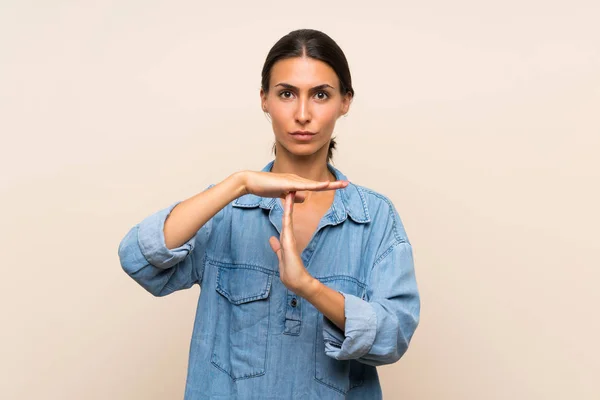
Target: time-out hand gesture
x,y
271,184
292,272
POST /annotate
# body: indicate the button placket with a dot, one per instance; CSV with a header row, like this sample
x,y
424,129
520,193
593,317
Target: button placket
x,y
293,308
293,314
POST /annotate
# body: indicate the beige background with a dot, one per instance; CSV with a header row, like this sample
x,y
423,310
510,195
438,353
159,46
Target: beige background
x,y
480,122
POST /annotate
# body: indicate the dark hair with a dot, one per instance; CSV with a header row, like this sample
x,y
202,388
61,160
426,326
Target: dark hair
x,y
314,44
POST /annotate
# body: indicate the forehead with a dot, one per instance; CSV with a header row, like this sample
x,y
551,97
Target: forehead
x,y
303,72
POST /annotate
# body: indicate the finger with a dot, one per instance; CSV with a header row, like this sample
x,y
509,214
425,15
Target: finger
x,y
288,212
334,186
325,185
299,197
275,246
302,185
287,231
288,240
307,184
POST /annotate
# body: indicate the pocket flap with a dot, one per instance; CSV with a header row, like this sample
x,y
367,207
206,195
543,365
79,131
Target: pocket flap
x,y
346,284
241,284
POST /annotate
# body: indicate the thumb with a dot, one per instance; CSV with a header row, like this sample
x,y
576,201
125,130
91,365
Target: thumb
x,y
275,246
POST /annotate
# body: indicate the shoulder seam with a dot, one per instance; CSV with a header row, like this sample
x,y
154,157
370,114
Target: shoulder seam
x,y
390,212
388,251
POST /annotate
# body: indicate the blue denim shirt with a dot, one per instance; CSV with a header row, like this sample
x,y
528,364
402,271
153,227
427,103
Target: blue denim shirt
x,y
255,339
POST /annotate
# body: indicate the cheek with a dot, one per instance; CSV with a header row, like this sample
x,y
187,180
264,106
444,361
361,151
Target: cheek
x,y
326,115
279,120
280,113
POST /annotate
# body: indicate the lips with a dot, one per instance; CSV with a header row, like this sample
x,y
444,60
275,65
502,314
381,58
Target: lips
x,y
303,133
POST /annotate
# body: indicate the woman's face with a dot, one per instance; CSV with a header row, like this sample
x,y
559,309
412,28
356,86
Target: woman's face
x,y
304,95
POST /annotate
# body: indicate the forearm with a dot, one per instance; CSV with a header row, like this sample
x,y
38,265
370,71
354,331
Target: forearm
x,y
328,301
380,323
191,214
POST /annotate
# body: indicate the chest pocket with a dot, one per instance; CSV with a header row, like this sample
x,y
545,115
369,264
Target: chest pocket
x,y
242,325
339,375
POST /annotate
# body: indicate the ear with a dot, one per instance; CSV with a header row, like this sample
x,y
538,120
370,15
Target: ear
x,y
346,101
263,101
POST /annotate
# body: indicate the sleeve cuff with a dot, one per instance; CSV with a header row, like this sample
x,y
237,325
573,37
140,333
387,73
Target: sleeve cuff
x,y
359,335
151,240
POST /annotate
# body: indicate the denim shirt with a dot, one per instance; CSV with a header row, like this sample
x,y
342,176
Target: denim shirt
x,y
255,339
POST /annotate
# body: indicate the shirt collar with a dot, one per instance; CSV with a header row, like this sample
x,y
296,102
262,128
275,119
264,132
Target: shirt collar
x,y
349,201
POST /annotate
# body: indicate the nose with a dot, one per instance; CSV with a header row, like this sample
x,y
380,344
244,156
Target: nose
x,y
303,114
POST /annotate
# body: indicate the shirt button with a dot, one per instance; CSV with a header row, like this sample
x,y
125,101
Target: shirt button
x,y
294,302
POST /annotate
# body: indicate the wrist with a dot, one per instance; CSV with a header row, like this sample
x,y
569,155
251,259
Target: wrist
x,y
239,178
312,289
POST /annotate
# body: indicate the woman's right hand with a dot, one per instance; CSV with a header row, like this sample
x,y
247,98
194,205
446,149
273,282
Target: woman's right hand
x,y
271,184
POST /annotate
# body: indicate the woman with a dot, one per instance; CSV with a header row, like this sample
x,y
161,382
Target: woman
x,y
297,300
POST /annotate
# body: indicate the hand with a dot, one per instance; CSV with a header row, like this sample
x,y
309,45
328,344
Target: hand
x,y
292,272
271,184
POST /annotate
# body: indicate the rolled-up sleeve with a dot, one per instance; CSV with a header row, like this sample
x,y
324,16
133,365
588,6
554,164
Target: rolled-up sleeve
x,y
379,328
145,257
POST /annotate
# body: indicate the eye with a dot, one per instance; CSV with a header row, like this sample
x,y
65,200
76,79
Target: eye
x,y
281,94
326,95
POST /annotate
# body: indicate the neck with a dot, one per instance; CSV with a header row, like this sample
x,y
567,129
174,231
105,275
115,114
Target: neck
x,y
314,168
308,170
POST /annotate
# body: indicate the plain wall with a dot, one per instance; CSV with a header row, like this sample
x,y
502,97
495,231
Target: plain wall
x,y
479,120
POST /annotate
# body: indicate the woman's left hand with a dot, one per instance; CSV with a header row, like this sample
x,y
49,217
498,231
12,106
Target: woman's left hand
x,y
292,272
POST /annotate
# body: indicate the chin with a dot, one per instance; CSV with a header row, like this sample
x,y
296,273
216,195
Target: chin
x,y
303,149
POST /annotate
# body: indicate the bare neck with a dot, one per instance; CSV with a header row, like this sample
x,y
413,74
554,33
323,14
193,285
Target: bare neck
x,y
309,169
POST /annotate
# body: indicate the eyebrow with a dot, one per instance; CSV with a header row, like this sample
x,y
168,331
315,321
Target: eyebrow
x,y
292,87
